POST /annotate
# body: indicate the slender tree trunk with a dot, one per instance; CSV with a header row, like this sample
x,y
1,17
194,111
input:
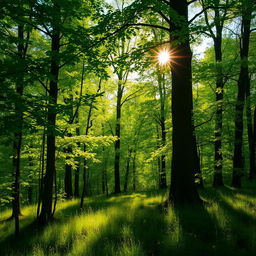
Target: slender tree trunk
x,y
127,172
30,186
250,132
183,189
254,142
198,172
77,170
161,85
41,174
68,177
47,195
85,190
243,85
16,212
218,158
134,170
117,142
68,150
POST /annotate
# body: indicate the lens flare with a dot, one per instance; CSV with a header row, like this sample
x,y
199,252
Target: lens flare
x,y
163,57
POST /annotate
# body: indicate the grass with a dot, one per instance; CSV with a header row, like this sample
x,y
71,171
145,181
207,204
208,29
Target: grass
x,y
132,224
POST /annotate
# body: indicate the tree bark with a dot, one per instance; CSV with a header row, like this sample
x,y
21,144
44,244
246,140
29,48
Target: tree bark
x,y
47,195
218,158
77,170
134,170
243,85
161,85
251,134
16,212
183,190
118,133
127,172
68,150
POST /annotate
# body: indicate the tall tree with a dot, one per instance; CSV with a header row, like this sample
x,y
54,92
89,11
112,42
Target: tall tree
x,y
215,31
182,190
46,213
243,85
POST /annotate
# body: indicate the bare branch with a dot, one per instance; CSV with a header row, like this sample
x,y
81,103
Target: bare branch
x,y
210,119
149,25
131,96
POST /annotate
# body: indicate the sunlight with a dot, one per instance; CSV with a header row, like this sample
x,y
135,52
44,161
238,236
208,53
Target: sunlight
x,y
163,57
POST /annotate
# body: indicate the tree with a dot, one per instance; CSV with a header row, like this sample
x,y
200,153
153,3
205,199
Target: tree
x,y
243,87
220,9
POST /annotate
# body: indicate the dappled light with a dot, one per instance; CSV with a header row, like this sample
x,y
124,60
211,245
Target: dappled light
x,y
127,224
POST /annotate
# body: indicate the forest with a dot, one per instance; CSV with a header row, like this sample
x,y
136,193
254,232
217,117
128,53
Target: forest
x,y
128,127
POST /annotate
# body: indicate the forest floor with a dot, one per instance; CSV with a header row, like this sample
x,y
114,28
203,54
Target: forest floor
x,y
133,224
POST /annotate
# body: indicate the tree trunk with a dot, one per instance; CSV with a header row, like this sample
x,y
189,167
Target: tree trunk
x,y
198,172
68,150
161,85
218,158
47,195
243,84
117,142
16,212
254,142
127,172
251,135
68,177
183,189
77,170
85,190
134,170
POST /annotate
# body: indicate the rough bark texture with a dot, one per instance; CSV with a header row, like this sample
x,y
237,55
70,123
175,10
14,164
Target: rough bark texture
x,y
183,190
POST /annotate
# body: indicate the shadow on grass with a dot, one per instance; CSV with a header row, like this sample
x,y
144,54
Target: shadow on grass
x,y
134,226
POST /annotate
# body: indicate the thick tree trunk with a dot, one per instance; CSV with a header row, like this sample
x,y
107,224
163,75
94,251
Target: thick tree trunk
x,y
243,85
46,213
118,133
183,189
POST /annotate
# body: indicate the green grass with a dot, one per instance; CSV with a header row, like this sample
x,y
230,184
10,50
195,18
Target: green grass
x,y
133,224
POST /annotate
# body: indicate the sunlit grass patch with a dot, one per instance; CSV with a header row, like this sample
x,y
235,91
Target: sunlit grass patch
x,y
134,225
